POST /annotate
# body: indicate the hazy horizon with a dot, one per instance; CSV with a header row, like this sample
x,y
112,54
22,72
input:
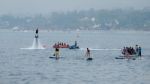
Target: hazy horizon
x,y
48,6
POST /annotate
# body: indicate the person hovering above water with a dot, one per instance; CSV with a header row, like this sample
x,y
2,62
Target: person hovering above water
x,y
36,33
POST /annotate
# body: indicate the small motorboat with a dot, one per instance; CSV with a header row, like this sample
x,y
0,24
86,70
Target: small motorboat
x,y
73,47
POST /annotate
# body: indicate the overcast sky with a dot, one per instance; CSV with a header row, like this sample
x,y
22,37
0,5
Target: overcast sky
x,y
47,6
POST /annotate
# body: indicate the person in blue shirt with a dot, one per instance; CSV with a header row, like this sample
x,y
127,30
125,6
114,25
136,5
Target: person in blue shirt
x,y
139,52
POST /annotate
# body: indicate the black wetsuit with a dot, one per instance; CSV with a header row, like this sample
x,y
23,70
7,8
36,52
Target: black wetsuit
x,y
57,49
36,35
36,31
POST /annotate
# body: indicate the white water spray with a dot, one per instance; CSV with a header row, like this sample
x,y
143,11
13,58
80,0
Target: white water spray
x,y
36,43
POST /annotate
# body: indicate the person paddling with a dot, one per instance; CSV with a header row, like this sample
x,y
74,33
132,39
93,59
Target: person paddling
x,y
88,54
57,53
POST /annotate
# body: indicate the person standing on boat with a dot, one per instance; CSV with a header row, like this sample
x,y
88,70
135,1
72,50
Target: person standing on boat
x,y
136,50
124,50
139,51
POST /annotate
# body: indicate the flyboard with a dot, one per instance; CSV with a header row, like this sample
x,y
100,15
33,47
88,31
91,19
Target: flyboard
x,y
55,57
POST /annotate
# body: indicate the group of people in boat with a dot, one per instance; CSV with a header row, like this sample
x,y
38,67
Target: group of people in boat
x,y
129,51
65,45
61,45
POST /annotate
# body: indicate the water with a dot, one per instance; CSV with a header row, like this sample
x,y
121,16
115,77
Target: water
x,y
33,66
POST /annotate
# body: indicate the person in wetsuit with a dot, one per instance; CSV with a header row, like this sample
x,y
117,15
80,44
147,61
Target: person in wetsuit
x,y
36,33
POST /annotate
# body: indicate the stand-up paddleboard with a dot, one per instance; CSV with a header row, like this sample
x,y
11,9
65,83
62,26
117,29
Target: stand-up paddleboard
x,y
89,58
119,58
55,57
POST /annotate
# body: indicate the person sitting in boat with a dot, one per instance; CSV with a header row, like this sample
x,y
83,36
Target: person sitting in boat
x,y
64,44
129,50
132,51
67,45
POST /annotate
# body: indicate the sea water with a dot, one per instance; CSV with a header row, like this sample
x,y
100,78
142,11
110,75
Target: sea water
x,y
33,66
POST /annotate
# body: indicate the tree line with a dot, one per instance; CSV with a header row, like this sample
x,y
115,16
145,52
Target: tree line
x,y
85,19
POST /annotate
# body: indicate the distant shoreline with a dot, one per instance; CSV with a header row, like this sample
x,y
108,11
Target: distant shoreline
x,y
44,30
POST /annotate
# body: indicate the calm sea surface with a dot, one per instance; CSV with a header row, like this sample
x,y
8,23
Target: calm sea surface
x,y
32,66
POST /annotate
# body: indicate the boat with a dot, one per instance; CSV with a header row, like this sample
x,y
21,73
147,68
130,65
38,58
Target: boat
x,y
127,57
73,47
61,45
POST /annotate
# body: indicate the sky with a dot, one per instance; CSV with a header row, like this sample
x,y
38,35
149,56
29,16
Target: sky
x,y
48,6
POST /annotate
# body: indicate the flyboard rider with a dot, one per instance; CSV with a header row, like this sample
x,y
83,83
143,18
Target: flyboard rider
x,y
36,33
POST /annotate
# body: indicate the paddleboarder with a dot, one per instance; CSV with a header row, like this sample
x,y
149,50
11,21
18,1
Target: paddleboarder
x,y
57,53
88,54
